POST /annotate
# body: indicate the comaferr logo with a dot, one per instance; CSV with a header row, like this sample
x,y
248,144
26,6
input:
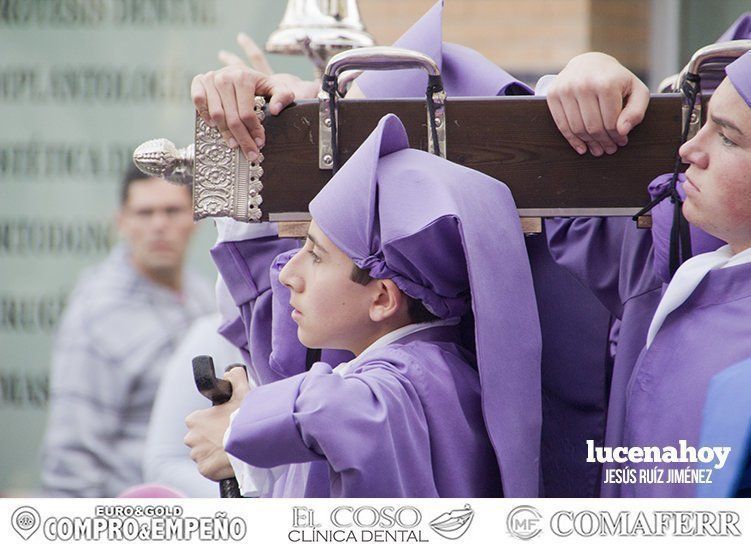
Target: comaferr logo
x,y
640,523
524,522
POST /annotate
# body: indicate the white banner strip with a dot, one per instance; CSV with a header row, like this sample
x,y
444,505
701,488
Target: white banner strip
x,y
283,521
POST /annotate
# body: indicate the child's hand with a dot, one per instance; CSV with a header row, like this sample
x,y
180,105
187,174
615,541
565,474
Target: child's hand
x,y
225,99
206,430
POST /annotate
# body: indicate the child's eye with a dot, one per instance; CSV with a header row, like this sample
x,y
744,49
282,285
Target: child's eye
x,y
726,141
316,258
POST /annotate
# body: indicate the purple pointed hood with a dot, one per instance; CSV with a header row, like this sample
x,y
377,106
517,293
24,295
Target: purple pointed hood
x,y
425,223
739,30
465,72
739,74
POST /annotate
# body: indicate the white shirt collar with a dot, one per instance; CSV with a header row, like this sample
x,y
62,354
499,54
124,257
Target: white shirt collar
x,y
740,258
393,336
688,277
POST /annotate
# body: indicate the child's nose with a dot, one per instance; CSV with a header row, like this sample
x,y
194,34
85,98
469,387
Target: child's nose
x,y
289,276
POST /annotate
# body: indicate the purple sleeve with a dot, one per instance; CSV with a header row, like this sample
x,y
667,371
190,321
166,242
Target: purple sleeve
x,y
369,426
590,249
244,266
264,432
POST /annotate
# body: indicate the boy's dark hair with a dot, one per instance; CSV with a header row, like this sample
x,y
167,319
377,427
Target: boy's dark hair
x,y
416,310
132,175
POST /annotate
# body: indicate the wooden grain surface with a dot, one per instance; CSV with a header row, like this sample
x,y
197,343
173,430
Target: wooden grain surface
x,y
512,139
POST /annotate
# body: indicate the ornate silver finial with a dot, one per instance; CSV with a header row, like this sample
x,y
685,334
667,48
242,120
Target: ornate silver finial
x,y
162,159
224,183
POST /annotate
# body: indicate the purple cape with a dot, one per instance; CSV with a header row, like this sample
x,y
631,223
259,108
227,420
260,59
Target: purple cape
x,y
244,266
615,261
464,71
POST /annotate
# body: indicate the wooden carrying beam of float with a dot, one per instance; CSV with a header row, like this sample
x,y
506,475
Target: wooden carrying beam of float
x,y
510,138
513,139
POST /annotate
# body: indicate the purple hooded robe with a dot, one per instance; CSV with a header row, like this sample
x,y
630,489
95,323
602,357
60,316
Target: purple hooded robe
x,y
415,417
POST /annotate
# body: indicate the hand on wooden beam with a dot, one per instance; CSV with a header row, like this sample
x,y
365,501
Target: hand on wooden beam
x,y
225,98
596,101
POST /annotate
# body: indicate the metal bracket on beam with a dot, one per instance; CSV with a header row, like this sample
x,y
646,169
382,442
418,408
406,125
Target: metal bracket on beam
x,y
379,58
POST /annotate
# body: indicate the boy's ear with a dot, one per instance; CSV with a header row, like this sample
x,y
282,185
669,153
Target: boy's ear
x,y
388,301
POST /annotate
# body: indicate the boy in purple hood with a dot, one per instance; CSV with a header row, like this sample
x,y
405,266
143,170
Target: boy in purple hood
x,y
395,267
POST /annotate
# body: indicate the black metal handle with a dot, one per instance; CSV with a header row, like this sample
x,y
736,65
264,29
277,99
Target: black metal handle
x,y
218,392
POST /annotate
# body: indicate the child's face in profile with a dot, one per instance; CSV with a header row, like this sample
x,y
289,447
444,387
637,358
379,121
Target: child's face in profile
x,y
331,310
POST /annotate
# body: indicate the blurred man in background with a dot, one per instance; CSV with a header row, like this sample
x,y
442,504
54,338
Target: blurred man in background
x,y
123,321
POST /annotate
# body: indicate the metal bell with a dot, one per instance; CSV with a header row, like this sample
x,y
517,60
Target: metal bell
x,y
319,29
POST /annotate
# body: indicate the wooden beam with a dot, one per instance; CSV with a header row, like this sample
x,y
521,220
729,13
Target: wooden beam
x,y
512,139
